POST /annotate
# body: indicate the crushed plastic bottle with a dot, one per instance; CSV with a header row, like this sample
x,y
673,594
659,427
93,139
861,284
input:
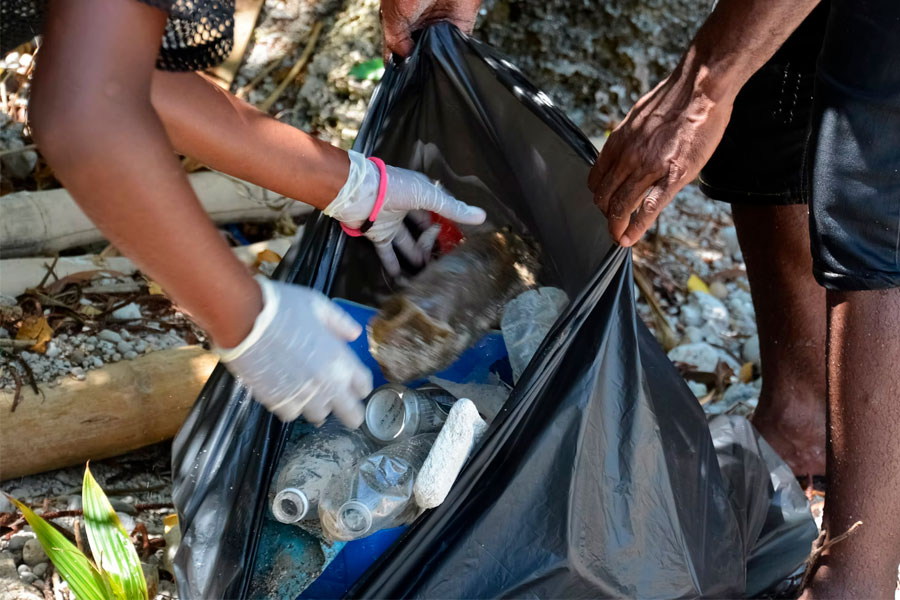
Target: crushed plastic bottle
x,y
526,320
377,493
307,469
450,304
395,412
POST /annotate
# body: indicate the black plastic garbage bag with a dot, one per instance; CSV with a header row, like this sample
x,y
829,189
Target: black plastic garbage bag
x,y
599,477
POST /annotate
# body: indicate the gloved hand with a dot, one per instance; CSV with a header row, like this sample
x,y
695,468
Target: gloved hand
x,y
406,191
296,360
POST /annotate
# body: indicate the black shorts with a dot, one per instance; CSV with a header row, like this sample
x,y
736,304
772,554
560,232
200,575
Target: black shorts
x,y
820,123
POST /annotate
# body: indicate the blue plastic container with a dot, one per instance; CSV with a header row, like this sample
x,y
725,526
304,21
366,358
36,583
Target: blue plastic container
x,y
290,561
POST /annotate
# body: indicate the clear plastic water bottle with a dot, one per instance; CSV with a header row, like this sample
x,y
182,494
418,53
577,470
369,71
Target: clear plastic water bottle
x,y
307,469
395,412
377,493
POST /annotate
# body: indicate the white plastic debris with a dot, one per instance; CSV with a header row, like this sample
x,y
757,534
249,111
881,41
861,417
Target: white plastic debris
x,y
451,449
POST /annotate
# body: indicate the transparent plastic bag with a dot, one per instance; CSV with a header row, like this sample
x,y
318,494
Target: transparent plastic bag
x,y
526,320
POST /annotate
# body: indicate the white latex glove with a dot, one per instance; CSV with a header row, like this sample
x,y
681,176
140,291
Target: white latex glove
x,y
296,360
406,191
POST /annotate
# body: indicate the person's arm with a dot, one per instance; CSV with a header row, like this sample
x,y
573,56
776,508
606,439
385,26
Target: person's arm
x,y
92,117
400,18
231,136
671,132
93,121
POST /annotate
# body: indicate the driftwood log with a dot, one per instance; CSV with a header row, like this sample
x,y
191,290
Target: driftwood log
x,y
19,274
115,409
42,222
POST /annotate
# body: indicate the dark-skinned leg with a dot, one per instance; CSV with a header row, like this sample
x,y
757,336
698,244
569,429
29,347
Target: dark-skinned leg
x,y
864,448
790,316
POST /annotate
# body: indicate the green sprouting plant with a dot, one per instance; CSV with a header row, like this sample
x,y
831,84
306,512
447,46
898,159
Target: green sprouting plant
x,y
116,573
371,70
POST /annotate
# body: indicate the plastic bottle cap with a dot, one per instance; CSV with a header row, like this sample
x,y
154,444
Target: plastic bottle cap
x,y
355,518
290,505
385,414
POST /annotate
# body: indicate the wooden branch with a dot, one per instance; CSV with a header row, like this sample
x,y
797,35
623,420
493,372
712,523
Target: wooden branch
x,y
19,274
295,70
115,409
48,221
246,12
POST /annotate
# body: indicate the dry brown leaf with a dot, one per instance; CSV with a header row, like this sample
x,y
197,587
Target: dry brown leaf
x,y
154,288
35,328
90,311
746,372
267,256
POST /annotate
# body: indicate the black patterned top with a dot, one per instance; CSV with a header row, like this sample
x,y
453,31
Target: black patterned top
x,y
198,35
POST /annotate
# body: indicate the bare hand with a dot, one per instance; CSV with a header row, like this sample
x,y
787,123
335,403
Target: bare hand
x,y
659,148
400,18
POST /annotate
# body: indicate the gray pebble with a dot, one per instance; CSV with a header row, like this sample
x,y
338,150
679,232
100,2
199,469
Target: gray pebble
x,y
116,357
22,569
33,553
96,362
17,541
750,349
140,346
124,347
728,235
4,333
109,336
52,350
89,347
28,578
126,335
127,521
124,505
130,355
5,505
690,315
7,565
77,357
129,312
74,502
78,373
40,569
718,289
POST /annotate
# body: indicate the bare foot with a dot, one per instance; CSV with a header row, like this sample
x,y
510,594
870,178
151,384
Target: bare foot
x,y
797,433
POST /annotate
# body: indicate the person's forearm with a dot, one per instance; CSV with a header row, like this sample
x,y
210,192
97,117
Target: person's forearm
x,y
736,40
229,135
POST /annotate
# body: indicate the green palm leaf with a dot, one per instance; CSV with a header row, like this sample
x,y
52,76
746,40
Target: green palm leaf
x,y
113,550
80,573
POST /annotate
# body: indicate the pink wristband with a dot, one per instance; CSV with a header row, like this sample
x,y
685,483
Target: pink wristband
x,y
379,201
